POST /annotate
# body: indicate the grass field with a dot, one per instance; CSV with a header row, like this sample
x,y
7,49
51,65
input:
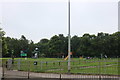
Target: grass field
x,y
58,65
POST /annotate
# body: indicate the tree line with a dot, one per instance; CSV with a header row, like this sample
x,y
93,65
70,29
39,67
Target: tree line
x,y
57,45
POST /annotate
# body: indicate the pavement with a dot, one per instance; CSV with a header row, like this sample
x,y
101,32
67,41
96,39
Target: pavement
x,y
22,75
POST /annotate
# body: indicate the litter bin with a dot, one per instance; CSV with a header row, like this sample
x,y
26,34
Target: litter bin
x,y
35,62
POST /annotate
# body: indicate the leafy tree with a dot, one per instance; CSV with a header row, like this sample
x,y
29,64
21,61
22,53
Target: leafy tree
x,y
31,47
57,45
3,45
75,43
4,48
24,44
43,47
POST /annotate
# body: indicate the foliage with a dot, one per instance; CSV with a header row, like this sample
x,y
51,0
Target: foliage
x,y
88,45
3,46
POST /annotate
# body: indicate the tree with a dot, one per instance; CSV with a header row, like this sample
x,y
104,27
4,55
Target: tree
x,y
4,48
24,43
31,48
75,43
85,45
43,47
57,45
3,45
2,33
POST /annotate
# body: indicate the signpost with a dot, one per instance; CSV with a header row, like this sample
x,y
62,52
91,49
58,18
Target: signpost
x,y
23,54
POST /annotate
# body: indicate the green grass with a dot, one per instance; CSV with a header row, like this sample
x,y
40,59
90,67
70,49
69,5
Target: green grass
x,y
58,65
110,70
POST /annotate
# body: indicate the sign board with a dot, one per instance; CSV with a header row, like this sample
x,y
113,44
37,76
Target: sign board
x,y
23,54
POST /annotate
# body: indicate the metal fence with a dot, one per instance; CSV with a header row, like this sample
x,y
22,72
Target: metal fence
x,y
88,69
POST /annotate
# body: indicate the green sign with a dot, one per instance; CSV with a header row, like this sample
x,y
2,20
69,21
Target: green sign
x,y
23,54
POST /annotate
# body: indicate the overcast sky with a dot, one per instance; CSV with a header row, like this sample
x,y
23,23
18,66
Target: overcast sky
x,y
43,19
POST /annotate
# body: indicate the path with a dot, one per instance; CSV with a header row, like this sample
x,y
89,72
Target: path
x,y
23,74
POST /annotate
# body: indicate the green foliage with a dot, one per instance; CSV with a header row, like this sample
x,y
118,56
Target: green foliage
x,y
2,33
4,48
43,47
17,45
3,45
57,46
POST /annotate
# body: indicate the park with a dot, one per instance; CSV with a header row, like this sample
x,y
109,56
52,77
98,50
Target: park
x,y
106,66
93,68
84,54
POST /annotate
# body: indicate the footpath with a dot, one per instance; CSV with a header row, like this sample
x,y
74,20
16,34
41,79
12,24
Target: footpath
x,y
22,75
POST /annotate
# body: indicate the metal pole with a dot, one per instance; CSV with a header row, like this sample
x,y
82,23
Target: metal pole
x,y
69,36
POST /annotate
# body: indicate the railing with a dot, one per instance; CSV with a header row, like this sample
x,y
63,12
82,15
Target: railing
x,y
88,67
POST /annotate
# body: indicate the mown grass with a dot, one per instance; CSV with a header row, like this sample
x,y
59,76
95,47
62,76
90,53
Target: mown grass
x,y
58,65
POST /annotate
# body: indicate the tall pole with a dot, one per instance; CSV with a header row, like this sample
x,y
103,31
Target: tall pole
x,y
69,48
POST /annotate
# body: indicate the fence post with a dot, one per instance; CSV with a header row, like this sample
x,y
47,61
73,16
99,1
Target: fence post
x,y
59,63
46,63
19,63
3,70
105,65
54,63
79,61
99,70
28,69
10,65
60,70
41,65
60,77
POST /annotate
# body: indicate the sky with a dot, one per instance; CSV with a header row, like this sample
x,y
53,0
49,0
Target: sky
x,y
44,19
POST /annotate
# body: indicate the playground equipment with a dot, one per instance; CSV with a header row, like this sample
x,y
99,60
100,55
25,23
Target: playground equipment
x,y
67,56
81,57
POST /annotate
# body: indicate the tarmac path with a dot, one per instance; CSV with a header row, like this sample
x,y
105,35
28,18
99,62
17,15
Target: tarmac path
x,y
23,74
